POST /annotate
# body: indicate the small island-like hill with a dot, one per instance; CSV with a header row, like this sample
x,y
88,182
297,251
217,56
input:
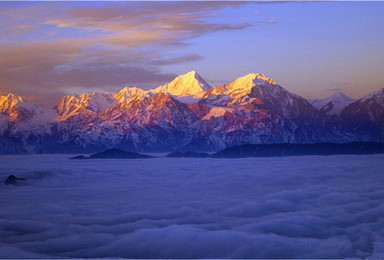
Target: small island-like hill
x,y
113,154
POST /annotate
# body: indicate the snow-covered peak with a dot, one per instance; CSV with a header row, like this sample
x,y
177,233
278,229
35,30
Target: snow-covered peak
x,y
127,92
84,104
340,94
99,102
244,85
185,85
17,109
367,109
254,79
8,101
334,104
251,80
377,95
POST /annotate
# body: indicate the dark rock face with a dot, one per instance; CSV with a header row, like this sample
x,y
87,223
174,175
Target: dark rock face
x,y
13,180
188,154
364,118
118,154
79,157
113,154
277,150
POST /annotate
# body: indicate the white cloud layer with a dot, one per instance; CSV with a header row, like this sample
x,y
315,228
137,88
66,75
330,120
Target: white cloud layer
x,y
296,207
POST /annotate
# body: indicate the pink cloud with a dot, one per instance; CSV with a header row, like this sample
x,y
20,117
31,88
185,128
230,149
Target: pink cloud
x,y
51,47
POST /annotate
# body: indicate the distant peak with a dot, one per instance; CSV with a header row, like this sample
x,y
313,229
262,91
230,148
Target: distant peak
x,y
8,101
129,92
339,97
11,96
187,84
376,93
254,75
379,91
252,79
191,75
260,77
125,89
338,102
339,94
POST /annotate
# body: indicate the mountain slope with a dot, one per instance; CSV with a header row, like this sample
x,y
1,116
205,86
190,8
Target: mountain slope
x,y
23,125
187,114
254,109
84,105
365,117
127,93
332,105
147,123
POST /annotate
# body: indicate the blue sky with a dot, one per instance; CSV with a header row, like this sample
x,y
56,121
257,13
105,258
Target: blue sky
x,y
310,48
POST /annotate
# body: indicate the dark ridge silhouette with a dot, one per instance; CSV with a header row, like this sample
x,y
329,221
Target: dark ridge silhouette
x,y
188,154
79,157
13,180
113,154
256,150
279,150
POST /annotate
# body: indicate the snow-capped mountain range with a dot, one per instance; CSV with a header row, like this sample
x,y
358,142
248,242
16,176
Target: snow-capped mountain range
x,y
187,114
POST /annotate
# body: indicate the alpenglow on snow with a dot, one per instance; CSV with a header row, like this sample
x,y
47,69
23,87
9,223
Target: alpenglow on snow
x,y
187,114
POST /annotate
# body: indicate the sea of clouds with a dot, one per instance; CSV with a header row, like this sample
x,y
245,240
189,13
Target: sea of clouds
x,y
292,207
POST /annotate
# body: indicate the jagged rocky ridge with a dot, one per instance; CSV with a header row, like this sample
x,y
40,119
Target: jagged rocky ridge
x,y
187,114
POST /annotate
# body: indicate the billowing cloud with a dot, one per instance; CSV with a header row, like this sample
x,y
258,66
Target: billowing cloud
x,y
51,47
320,207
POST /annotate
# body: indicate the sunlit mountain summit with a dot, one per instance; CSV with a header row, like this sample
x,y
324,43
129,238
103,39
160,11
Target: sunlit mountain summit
x,y
187,114
190,83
